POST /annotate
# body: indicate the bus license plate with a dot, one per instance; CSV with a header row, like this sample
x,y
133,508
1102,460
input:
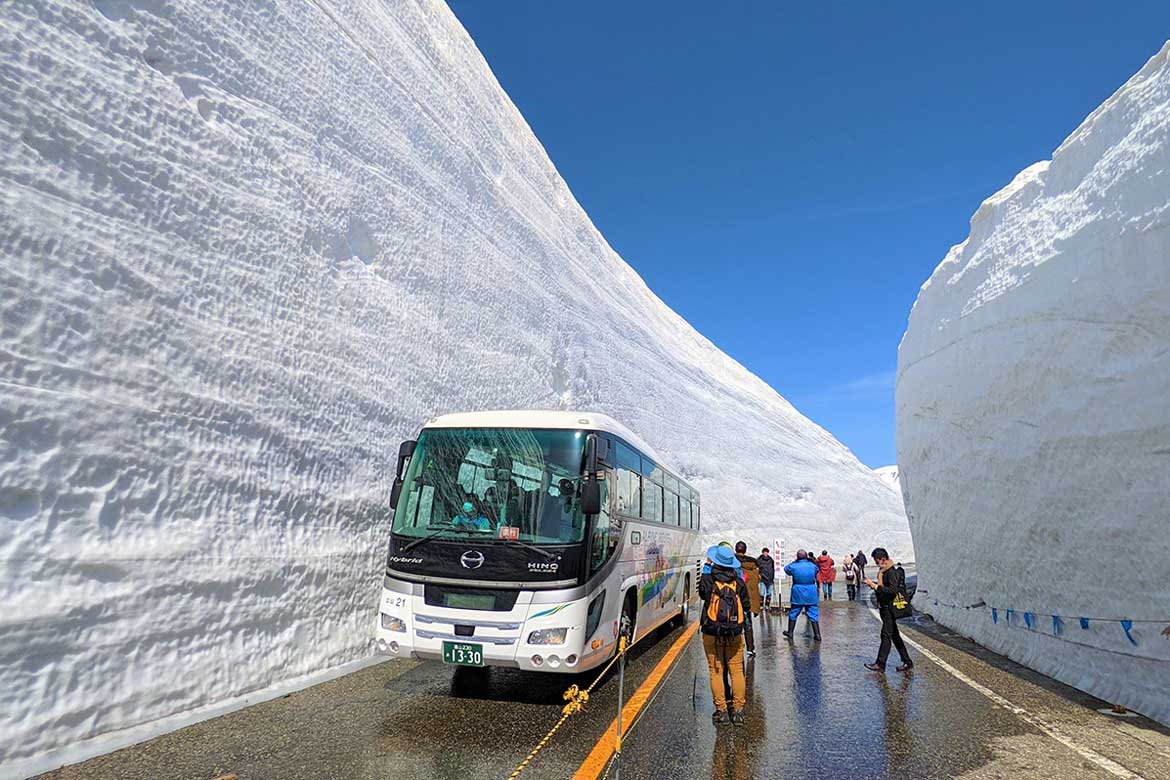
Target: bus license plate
x,y
462,654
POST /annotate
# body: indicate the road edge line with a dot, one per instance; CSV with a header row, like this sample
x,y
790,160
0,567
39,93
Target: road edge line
x,y
1104,762
594,763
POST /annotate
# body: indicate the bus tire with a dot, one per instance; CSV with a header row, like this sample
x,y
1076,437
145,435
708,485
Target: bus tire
x,y
684,612
629,619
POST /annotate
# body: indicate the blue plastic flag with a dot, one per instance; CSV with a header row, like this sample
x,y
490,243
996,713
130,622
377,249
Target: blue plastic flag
x,y
994,615
1007,615
1085,624
1057,625
1028,619
1127,626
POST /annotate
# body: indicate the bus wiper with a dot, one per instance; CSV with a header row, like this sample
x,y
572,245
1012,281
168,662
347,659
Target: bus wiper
x,y
533,547
439,532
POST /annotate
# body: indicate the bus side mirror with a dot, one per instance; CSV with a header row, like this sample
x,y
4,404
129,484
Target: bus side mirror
x,y
590,495
405,452
590,486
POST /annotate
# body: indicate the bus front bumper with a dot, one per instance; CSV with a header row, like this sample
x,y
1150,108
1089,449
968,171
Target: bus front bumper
x,y
428,646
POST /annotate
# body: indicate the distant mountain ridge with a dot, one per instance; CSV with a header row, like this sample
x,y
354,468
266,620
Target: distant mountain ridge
x,y
889,475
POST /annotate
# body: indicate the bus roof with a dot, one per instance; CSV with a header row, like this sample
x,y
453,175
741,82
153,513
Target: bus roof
x,y
551,420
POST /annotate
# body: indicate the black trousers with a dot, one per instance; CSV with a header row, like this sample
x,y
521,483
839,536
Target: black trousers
x,y
890,635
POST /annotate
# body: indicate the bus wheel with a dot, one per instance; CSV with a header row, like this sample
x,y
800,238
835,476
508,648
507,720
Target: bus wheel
x,y
629,615
684,614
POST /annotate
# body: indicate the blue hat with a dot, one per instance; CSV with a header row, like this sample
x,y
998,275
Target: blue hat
x,y
723,556
468,507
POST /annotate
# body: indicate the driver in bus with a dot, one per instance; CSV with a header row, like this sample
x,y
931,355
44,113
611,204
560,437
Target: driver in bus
x,y
471,519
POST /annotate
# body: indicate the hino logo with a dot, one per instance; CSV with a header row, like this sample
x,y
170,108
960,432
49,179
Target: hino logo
x,y
543,567
472,559
400,559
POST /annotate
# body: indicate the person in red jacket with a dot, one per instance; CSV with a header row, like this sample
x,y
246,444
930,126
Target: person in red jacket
x,y
826,574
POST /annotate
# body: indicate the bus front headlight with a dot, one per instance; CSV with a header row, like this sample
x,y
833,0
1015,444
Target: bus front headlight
x,y
548,636
391,623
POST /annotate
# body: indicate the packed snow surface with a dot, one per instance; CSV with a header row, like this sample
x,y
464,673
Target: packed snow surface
x,y
248,248
1033,410
889,475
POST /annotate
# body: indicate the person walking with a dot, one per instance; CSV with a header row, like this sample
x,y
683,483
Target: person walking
x,y
804,594
725,618
767,566
751,578
860,560
890,582
827,574
851,580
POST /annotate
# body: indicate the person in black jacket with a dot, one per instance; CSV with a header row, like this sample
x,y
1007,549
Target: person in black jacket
x,y
724,621
767,566
890,581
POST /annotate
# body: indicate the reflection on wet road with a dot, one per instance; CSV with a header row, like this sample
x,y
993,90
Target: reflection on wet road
x,y
813,712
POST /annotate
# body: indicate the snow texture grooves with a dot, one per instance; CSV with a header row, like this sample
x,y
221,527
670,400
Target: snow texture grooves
x,y
1033,408
248,248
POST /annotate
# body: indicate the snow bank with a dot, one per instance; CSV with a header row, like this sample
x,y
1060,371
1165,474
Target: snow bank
x,y
248,248
1033,407
889,475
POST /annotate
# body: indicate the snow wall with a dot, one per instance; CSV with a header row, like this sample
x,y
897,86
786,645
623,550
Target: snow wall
x,y
1033,410
247,249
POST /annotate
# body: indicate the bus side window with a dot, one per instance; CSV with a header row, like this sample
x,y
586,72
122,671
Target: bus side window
x,y
607,530
652,502
629,489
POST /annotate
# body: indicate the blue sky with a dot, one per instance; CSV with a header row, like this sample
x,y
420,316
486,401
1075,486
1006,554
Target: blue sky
x,y
787,175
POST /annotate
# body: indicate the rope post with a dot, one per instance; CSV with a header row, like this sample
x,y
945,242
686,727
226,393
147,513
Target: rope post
x,y
621,693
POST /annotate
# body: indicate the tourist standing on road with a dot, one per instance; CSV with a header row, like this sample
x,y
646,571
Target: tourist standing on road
x,y
804,593
725,618
890,582
827,574
859,561
707,563
751,578
851,580
767,566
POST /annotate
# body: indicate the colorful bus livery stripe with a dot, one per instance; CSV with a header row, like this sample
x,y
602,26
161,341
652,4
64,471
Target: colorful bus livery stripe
x,y
548,612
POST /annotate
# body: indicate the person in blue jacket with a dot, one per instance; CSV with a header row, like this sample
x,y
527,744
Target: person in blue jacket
x,y
803,572
470,519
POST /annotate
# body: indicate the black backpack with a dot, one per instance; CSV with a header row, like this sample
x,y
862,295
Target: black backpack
x,y
723,612
901,603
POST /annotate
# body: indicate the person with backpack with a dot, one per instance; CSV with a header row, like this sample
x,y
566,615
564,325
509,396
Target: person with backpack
x,y
851,580
767,566
890,590
803,572
725,619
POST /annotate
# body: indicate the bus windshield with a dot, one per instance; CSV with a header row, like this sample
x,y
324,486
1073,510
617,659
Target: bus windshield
x,y
494,483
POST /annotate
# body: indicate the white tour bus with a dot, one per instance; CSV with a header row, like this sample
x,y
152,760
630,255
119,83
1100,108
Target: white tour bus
x,y
531,539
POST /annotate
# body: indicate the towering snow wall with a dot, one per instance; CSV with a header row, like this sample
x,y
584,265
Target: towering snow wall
x,y
247,249
1033,407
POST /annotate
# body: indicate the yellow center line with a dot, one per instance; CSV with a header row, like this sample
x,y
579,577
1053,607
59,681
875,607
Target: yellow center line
x,y
594,764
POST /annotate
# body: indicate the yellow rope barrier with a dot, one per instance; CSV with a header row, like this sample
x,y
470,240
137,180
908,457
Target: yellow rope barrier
x,y
577,699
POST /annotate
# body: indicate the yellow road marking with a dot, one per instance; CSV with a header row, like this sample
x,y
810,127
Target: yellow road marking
x,y
594,764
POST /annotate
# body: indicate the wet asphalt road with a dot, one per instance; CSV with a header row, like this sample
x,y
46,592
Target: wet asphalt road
x,y
813,712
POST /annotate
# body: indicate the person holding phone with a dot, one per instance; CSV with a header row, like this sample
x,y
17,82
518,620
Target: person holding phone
x,y
890,582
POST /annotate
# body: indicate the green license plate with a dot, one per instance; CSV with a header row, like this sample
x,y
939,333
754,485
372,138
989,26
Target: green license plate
x,y
463,653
